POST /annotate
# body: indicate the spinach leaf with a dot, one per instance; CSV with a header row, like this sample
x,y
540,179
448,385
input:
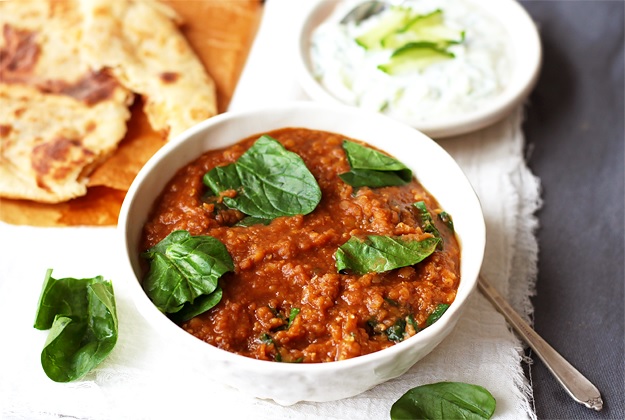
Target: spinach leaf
x,y
445,400
382,253
184,272
414,323
391,302
294,312
200,305
82,318
223,178
396,331
251,221
373,327
292,315
370,168
438,312
446,218
270,182
267,339
427,223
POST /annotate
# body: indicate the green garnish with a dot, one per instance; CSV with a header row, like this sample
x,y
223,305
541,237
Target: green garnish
x,y
251,221
436,315
382,253
410,319
426,219
82,319
294,312
370,168
267,339
184,273
396,331
427,223
391,302
292,315
269,181
446,218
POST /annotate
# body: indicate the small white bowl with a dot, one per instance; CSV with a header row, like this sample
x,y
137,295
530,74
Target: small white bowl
x,y
525,52
288,383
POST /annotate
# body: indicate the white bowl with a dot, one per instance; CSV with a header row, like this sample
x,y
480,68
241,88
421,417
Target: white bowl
x,y
525,50
287,383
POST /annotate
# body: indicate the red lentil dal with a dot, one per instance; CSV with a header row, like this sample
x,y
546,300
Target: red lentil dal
x,y
289,263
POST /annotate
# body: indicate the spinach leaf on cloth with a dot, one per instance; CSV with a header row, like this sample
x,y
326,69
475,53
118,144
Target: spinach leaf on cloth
x,y
445,400
82,319
184,272
269,180
370,168
379,253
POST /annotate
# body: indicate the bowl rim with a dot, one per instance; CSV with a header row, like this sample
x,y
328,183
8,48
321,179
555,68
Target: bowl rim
x,y
524,36
153,316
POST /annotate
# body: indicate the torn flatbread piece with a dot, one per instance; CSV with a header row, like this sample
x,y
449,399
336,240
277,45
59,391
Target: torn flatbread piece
x,y
139,41
58,117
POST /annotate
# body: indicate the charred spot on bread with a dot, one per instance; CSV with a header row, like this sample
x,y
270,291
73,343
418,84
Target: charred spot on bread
x,y
19,55
169,77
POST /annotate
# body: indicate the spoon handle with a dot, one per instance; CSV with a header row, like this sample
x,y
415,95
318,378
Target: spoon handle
x,y
578,387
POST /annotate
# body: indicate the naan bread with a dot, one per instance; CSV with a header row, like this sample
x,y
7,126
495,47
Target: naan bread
x,y
50,143
140,43
221,33
58,118
68,70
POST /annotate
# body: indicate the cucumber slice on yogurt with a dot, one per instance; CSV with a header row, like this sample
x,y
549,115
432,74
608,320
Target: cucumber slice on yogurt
x,y
414,57
424,28
388,22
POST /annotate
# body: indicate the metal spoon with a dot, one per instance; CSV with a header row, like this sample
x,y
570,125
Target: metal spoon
x,y
365,10
576,384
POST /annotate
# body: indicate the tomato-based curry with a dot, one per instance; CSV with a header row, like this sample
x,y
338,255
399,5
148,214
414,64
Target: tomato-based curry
x,y
286,300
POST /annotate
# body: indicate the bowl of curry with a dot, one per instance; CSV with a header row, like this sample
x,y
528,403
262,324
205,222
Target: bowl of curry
x,y
303,252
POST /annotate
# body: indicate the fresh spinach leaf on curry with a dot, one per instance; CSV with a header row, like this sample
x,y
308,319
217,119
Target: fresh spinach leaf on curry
x,y
269,182
184,273
370,168
377,254
340,266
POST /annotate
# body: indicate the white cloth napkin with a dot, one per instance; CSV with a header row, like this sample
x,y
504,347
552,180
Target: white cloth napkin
x,y
145,377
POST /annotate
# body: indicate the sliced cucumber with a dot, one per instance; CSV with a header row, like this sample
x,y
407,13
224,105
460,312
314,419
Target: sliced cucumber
x,y
424,28
414,57
390,21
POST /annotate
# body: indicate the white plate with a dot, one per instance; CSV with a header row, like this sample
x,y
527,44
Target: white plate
x,y
525,51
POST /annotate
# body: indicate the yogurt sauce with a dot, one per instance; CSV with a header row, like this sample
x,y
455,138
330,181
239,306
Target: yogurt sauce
x,y
478,73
